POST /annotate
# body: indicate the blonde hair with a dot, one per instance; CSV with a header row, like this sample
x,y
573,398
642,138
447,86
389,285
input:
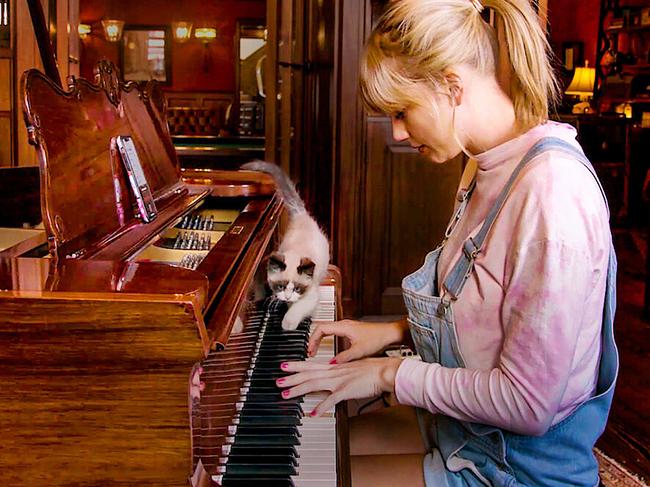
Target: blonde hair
x,y
420,41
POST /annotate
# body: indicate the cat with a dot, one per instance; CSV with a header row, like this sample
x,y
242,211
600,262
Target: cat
x,y
296,268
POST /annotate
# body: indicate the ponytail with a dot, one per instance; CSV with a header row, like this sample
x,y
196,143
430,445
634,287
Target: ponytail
x,y
534,88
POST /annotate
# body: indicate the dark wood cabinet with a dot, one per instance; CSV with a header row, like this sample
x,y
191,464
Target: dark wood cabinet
x,y
623,57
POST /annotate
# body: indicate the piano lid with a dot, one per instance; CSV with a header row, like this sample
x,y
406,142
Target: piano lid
x,y
85,198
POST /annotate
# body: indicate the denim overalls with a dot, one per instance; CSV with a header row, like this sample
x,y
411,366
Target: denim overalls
x,y
468,454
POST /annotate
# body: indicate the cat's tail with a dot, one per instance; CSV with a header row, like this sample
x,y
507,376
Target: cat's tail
x,y
288,191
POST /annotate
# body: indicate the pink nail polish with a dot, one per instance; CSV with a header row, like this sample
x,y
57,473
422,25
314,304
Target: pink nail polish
x,y
279,381
284,365
285,393
313,413
333,361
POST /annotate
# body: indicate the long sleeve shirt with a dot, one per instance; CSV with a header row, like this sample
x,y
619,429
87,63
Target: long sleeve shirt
x,y
529,318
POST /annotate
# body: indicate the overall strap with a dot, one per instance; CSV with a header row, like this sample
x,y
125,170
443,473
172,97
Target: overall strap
x,y
466,188
455,281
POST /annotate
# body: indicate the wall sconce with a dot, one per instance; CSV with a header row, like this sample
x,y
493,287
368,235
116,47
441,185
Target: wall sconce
x,y
182,31
84,30
205,34
113,29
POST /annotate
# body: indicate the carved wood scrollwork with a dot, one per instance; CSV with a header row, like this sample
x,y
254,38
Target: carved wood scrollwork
x,y
107,77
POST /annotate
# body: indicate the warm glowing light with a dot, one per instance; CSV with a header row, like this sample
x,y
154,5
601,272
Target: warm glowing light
x,y
205,34
182,31
582,85
113,29
84,30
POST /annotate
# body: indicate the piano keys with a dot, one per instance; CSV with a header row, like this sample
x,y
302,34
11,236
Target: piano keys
x,y
100,336
243,431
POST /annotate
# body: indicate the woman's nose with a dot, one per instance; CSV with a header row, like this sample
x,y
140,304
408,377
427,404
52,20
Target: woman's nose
x,y
399,130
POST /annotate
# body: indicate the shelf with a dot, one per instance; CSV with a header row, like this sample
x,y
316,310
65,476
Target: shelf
x,y
634,28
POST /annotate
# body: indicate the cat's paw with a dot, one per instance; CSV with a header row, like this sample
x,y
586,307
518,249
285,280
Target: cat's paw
x,y
289,322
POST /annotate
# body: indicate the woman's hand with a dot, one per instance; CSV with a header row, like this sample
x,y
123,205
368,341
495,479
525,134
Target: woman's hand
x,y
366,339
363,378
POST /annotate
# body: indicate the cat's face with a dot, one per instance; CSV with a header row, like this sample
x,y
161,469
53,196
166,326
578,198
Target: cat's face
x,y
289,276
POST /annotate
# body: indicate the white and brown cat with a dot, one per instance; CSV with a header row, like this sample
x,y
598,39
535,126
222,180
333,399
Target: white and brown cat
x,y
296,269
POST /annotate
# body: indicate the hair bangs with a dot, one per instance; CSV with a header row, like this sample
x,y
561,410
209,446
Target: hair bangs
x,y
384,86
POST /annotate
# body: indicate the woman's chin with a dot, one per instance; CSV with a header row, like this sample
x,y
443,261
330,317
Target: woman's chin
x,y
431,155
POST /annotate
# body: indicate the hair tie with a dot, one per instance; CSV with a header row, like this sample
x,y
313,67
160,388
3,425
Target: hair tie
x,y
478,6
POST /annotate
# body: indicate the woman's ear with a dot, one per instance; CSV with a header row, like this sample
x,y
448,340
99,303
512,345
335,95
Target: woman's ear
x,y
455,84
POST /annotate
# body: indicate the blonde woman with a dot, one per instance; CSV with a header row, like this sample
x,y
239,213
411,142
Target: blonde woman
x,y
512,314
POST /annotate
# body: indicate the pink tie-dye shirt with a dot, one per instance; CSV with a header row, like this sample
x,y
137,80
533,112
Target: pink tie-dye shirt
x,y
528,320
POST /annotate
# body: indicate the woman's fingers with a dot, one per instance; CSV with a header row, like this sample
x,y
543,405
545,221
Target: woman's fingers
x,y
338,328
309,386
302,366
326,404
295,379
352,353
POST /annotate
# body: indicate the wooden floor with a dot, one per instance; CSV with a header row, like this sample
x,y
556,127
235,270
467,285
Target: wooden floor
x,y
627,438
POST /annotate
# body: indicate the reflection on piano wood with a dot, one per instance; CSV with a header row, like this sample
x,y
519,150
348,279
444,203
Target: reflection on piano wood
x,y
97,342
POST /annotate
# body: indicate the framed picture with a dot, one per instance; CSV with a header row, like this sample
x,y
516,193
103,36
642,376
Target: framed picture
x,y
146,53
572,55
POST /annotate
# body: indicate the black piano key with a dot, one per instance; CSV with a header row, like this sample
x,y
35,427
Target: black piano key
x,y
254,460
253,440
270,420
255,430
256,482
252,450
261,469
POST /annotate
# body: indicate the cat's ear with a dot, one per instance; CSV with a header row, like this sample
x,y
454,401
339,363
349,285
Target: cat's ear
x,y
306,267
276,263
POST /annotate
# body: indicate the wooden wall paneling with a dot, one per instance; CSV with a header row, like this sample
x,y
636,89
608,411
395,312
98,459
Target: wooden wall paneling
x,y
352,27
291,59
376,217
271,82
316,164
62,44
408,202
5,139
5,85
27,57
6,114
74,42
422,197
7,94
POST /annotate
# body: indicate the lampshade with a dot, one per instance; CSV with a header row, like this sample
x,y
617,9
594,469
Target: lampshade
x,y
182,31
582,83
113,29
205,34
84,30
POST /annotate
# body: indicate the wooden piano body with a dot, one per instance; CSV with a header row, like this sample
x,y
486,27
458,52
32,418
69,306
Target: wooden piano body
x,y
99,337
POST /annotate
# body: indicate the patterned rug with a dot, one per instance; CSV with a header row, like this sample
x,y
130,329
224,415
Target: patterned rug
x,y
613,474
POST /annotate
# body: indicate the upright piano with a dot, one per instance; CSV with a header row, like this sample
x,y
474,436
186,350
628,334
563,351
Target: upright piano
x,y
129,351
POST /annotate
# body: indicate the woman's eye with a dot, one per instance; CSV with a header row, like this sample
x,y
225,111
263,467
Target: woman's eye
x,y
400,115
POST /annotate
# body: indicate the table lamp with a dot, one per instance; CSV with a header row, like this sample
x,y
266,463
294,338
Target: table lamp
x,y
582,85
